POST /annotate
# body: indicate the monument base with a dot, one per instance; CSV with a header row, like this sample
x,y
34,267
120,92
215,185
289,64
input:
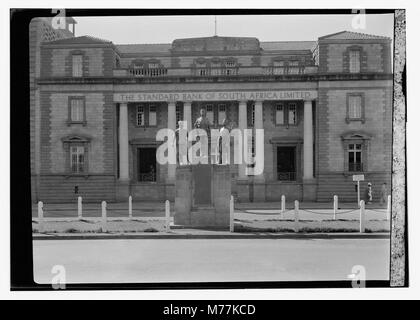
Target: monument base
x,y
202,195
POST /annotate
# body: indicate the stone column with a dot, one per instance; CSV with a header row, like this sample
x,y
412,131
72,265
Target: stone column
x,y
172,126
123,186
242,124
187,114
123,142
309,185
307,141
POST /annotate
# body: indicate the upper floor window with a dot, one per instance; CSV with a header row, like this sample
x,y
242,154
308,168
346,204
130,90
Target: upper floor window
x,y
152,115
77,111
292,113
210,114
178,114
140,116
221,114
280,114
286,114
355,107
354,61
293,67
153,65
77,65
146,115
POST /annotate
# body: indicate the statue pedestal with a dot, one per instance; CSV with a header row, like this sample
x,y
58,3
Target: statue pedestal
x,y
202,195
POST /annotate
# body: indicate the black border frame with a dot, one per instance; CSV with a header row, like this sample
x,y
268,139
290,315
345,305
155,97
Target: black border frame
x,y
20,183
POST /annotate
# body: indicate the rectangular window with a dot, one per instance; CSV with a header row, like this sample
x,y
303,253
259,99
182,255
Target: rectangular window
x,y
152,115
222,113
355,107
292,114
355,157
153,65
354,61
178,114
77,62
253,114
140,116
77,159
77,110
279,114
210,114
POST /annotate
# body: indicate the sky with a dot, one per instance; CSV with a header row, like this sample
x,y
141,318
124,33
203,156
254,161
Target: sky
x,y
165,29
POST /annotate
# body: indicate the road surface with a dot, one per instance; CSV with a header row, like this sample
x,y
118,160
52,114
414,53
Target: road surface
x,y
192,260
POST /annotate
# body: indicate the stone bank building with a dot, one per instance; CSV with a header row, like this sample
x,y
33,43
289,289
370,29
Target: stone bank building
x,y
325,106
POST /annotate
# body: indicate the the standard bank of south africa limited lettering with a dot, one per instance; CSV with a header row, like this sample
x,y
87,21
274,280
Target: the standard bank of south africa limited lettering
x,y
215,96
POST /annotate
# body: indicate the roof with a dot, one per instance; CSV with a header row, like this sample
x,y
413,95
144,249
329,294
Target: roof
x,y
288,45
349,35
80,40
144,48
166,47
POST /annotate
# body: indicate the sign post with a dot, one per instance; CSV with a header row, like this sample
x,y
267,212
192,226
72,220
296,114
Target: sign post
x,y
358,178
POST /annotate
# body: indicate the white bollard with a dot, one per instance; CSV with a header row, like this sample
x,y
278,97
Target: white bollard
x,y
104,225
167,216
283,206
130,207
335,206
362,216
79,207
231,215
296,216
388,209
40,216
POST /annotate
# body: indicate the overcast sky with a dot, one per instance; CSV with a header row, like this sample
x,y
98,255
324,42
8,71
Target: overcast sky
x,y
164,29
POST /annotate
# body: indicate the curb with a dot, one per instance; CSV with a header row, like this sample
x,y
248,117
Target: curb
x,y
215,236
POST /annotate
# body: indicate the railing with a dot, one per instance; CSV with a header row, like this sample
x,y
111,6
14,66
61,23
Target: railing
x,y
212,72
286,176
355,167
148,72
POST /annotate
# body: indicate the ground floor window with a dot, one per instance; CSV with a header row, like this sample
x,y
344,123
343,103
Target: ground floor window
x,y
146,162
355,157
77,159
286,163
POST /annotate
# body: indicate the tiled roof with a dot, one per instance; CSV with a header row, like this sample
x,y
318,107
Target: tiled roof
x,y
81,40
349,35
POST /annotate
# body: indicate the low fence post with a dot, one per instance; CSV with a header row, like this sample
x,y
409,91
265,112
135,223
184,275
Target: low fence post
x,y
388,209
362,216
40,216
335,206
104,222
283,206
167,216
231,214
79,207
130,207
296,216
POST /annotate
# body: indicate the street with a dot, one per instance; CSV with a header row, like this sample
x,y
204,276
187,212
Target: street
x,y
198,260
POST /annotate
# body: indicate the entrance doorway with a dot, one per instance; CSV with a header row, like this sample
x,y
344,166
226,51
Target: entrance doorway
x,y
146,162
286,163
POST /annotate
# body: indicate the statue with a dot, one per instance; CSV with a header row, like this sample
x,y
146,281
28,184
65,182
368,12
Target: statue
x,y
202,122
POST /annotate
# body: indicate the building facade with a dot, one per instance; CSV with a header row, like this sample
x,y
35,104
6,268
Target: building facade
x,y
325,107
